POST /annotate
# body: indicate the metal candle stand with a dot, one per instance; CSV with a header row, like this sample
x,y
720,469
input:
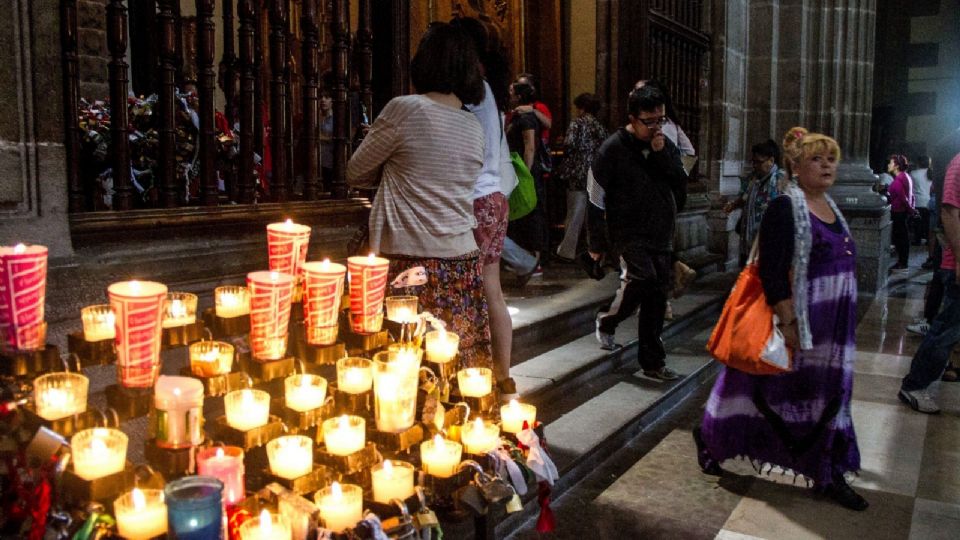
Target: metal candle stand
x,y
77,491
91,353
29,363
218,385
270,373
64,426
250,439
356,462
399,442
320,477
485,406
178,336
172,463
222,327
440,491
355,404
299,421
129,402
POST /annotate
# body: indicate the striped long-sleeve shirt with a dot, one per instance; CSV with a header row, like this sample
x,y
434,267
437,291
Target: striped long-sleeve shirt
x,y
426,157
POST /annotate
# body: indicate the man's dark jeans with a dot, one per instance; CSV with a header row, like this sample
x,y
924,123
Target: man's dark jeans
x,y
934,353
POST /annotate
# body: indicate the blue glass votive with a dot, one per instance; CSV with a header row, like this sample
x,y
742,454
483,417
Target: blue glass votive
x,y
194,508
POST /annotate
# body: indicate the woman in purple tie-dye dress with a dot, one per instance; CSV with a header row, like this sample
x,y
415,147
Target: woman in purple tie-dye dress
x,y
798,420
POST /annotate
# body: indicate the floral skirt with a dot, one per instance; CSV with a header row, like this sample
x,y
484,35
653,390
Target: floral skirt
x,y
454,294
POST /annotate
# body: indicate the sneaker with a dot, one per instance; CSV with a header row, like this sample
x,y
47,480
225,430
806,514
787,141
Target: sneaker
x,y
663,374
508,390
920,328
537,272
668,312
920,401
606,340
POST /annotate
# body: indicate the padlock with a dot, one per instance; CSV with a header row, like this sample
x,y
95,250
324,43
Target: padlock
x,y
514,505
426,519
493,488
471,499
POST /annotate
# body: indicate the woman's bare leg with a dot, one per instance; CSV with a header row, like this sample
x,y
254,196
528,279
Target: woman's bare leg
x,y
501,326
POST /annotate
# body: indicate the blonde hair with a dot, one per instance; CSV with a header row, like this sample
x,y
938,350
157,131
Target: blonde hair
x,y
799,143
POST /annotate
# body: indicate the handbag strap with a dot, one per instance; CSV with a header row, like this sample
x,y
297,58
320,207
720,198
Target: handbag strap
x,y
754,251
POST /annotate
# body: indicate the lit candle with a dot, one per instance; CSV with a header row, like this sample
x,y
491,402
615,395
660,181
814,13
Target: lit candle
x,y
480,437
180,309
354,375
514,414
440,457
211,358
231,301
402,309
266,527
138,306
247,409
178,415
290,456
341,507
99,323
368,284
304,392
98,452
271,294
392,480
344,435
395,392
226,464
141,514
322,292
287,245
59,395
441,346
475,382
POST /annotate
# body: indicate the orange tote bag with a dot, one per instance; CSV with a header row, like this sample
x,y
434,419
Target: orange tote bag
x,y
746,337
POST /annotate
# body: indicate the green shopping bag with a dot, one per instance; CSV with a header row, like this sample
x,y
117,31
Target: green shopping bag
x,y
524,197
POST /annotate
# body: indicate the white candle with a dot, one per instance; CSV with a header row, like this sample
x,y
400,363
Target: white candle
x,y
247,409
392,480
211,358
304,392
441,346
179,412
440,457
514,414
266,527
341,507
61,394
480,437
141,514
475,382
344,435
402,309
354,375
232,301
99,322
98,452
180,310
290,456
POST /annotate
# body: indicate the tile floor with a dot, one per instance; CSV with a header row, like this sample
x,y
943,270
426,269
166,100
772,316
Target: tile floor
x,y
910,466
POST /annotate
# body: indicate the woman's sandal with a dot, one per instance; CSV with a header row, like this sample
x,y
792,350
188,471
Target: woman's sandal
x,y
707,464
951,374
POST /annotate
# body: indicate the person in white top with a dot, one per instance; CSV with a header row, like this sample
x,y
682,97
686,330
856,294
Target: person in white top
x,y
921,192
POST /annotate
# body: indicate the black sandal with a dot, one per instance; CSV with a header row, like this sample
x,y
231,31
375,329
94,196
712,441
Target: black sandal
x,y
707,464
844,495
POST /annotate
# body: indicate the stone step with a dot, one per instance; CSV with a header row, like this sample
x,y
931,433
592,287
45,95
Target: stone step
x,y
592,404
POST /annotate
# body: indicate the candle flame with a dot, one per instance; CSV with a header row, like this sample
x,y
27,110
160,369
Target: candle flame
x,y
288,222
139,501
325,264
97,446
219,453
387,468
514,405
372,258
274,276
478,424
176,391
343,422
135,286
266,523
336,491
473,372
19,248
246,397
438,441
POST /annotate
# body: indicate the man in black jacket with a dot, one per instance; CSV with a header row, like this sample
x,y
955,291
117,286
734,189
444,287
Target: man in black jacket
x,y
637,187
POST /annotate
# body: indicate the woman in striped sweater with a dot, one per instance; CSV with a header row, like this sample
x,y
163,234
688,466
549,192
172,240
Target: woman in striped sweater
x,y
425,151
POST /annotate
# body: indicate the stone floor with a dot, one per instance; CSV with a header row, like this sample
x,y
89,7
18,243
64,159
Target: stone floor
x,y
652,487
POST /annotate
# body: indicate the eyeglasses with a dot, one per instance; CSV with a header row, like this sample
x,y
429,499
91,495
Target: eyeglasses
x,y
653,122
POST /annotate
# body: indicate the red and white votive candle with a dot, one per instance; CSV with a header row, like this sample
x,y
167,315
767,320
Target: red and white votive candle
x,y
368,285
271,294
138,310
322,290
23,287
